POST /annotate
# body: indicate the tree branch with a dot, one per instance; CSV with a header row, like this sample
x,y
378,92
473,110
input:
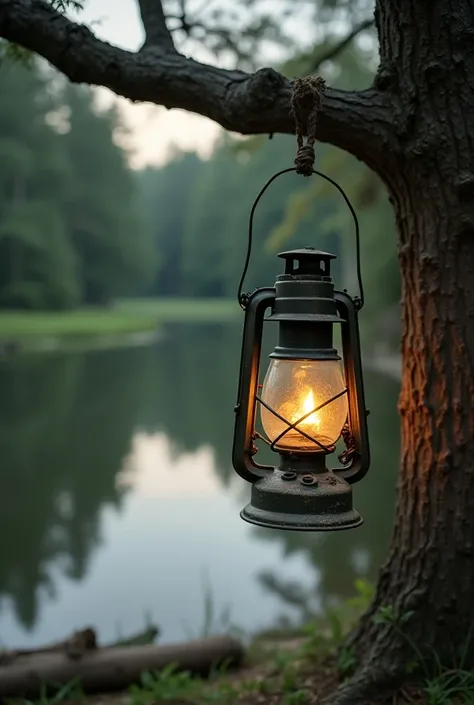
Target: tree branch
x,y
333,51
156,32
359,122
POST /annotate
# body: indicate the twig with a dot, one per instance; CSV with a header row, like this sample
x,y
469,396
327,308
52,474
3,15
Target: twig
x,y
156,32
336,48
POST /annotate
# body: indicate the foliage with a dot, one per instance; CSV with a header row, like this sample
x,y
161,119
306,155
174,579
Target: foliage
x,y
167,684
14,52
69,691
203,247
365,592
443,684
219,688
327,631
69,228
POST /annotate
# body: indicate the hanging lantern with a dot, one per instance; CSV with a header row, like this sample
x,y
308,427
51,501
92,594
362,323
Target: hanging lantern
x,y
308,400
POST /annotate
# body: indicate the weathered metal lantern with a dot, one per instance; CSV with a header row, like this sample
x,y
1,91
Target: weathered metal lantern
x,y
307,402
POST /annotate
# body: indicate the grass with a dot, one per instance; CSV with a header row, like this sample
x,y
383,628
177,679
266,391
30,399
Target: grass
x,y
184,310
125,317
442,684
79,323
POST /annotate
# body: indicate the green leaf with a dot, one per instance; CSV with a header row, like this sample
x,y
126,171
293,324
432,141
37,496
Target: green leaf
x,y
406,616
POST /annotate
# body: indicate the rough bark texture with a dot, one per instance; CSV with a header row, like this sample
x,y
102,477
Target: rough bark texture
x,y
415,128
427,57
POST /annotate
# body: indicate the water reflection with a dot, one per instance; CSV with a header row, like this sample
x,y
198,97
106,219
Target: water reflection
x,y
104,454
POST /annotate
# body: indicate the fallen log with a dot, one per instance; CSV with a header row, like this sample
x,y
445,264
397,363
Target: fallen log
x,y
113,668
79,642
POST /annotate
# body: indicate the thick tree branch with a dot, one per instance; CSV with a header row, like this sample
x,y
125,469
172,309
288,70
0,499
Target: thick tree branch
x,y
333,51
157,34
359,122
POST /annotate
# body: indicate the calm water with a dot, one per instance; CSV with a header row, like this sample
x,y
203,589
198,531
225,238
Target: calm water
x,y
118,501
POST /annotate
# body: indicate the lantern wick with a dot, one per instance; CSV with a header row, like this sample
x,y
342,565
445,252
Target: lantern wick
x,y
306,100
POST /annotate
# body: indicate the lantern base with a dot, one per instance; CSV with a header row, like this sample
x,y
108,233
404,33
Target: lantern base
x,y
296,501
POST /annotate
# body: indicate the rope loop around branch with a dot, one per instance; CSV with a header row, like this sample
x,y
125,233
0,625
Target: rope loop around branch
x,y
306,100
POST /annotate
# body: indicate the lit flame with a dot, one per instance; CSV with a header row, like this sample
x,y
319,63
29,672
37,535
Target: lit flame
x,y
308,405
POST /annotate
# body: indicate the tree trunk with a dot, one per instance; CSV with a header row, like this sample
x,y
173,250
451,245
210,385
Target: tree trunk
x,y
430,567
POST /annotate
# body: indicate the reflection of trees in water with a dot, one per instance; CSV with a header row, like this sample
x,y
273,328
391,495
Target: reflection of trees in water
x,y
342,557
193,388
65,424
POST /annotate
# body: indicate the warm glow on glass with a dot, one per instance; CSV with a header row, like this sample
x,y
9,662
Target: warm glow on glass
x,y
294,388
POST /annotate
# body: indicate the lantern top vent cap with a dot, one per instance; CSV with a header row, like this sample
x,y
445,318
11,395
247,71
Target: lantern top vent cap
x,y
308,262
306,252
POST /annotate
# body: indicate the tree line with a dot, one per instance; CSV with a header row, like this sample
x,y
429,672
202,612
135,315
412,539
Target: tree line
x,y
70,229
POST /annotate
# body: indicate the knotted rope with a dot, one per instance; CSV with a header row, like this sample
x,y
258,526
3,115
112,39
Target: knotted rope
x,y
306,99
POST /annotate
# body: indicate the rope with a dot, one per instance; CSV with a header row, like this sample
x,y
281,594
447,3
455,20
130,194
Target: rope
x,y
306,99
351,447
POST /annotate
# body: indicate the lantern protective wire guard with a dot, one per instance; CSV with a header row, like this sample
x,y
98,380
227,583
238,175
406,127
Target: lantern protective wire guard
x,y
306,402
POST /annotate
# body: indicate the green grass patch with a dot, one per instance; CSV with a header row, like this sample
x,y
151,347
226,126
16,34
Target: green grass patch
x,y
125,317
79,323
184,310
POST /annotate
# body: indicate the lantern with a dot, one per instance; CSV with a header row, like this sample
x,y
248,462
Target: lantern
x,y
308,399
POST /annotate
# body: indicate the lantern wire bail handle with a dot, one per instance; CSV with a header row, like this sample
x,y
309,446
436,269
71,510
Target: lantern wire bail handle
x,y
306,99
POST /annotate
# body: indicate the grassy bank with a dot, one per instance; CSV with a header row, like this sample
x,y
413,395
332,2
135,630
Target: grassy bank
x,y
125,317
302,666
183,310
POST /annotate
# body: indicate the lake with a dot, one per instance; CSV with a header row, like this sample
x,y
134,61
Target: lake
x,y
119,504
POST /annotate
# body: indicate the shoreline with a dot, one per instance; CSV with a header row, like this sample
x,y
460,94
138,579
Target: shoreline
x,y
128,321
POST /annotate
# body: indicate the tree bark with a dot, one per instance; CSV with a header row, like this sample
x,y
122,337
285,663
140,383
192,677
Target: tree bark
x,y
157,34
430,567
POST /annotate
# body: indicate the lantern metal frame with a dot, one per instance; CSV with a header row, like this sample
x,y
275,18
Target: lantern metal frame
x,y
302,493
